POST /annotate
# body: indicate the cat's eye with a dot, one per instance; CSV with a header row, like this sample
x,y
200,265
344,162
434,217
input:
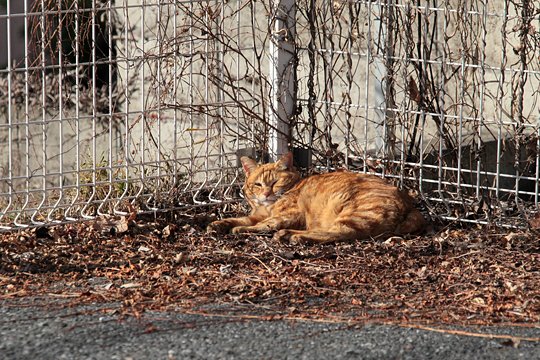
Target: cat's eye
x,y
257,184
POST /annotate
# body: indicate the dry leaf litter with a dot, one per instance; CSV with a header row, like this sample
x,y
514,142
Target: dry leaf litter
x,y
453,276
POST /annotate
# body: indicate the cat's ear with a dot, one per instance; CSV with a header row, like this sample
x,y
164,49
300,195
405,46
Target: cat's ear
x,y
248,164
285,162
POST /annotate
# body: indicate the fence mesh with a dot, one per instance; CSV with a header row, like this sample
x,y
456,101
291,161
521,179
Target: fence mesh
x,y
106,106
443,94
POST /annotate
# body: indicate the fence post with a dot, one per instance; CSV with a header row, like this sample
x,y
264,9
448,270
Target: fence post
x,y
282,74
384,87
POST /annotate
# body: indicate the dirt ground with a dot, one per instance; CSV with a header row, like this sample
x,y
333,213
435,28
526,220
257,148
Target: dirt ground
x,y
472,276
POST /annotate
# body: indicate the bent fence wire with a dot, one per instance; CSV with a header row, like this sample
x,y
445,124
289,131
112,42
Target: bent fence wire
x,y
109,106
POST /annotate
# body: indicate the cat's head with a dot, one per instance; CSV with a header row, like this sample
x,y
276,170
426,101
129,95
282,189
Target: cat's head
x,y
266,183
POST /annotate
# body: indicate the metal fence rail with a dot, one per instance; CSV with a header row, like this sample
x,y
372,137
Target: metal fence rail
x,y
112,105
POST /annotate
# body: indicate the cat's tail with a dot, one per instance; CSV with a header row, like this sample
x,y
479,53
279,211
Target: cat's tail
x,y
413,223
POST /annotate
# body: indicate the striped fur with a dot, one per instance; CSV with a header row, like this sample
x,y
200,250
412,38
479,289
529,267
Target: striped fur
x,y
321,208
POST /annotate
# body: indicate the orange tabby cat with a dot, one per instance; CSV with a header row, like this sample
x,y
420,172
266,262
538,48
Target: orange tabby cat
x,y
321,208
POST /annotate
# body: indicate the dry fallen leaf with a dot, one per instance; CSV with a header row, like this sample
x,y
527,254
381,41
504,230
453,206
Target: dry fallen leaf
x,y
166,231
393,240
534,222
130,285
511,342
413,91
432,278
478,301
111,224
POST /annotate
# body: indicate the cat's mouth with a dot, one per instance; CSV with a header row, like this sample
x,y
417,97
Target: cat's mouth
x,y
267,201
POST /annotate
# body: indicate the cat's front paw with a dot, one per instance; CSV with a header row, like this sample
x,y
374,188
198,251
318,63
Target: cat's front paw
x,y
296,239
219,226
240,230
290,236
281,235
285,235
261,228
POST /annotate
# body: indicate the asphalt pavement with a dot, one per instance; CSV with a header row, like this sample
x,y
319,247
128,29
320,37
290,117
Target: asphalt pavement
x,y
98,331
